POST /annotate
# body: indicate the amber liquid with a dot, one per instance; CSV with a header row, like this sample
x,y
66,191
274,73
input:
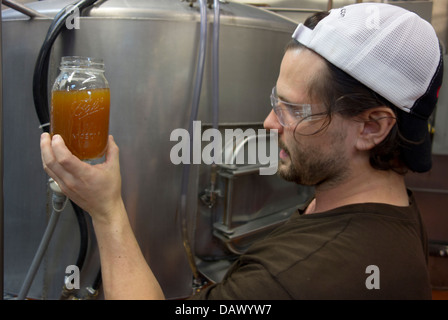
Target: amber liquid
x,y
82,119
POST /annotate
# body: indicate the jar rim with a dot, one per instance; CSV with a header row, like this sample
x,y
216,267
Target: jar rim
x,y
82,62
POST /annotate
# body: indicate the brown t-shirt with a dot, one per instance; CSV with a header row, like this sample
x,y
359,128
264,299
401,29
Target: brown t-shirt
x,y
360,251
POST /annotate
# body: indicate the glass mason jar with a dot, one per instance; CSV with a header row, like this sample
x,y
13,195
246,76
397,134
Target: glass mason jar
x,y
80,104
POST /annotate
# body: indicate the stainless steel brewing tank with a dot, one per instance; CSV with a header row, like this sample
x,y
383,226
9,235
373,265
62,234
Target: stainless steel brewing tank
x,y
150,51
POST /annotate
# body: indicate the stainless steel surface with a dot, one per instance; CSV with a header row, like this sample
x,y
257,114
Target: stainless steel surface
x,y
150,48
25,198
298,11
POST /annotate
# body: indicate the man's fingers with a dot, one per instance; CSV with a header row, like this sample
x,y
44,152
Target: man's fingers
x,y
58,161
48,160
112,152
64,158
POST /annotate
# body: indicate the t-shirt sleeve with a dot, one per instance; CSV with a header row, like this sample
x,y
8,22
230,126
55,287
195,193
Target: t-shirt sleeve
x,y
248,282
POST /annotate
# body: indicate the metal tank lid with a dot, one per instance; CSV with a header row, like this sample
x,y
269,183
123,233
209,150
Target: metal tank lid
x,y
231,13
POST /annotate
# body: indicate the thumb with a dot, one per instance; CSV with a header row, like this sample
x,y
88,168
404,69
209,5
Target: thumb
x,y
112,152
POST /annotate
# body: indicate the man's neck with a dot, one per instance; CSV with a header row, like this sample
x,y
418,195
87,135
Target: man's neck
x,y
370,185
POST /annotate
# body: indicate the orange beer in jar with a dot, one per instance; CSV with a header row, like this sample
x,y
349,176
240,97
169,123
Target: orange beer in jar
x,y
80,106
82,119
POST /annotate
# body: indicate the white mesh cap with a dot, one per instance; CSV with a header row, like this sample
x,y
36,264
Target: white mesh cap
x,y
371,40
389,49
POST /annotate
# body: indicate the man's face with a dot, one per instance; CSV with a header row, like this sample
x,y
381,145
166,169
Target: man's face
x,y
307,158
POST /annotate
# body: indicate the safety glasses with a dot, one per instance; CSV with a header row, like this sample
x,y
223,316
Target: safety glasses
x,y
289,114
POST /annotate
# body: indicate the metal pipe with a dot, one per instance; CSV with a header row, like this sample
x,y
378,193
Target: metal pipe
x,y
215,62
215,98
23,9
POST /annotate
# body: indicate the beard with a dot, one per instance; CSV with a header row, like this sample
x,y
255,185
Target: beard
x,y
311,166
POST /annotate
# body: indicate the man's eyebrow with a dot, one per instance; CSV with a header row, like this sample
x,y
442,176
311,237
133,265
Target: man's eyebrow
x,y
282,98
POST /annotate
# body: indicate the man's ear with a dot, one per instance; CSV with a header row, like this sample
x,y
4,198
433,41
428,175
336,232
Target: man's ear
x,y
376,123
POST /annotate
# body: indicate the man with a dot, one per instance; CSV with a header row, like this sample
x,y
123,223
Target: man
x,y
351,104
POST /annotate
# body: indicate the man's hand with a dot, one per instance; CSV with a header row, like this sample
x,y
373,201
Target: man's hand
x,y
95,188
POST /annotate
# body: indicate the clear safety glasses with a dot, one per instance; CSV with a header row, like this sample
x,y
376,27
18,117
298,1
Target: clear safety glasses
x,y
289,114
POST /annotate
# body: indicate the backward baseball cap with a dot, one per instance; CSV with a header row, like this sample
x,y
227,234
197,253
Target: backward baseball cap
x,y
395,53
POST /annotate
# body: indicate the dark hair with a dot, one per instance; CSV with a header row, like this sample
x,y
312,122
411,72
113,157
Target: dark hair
x,y
343,94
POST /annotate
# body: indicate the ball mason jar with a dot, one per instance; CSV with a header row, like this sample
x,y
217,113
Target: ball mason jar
x,y
80,105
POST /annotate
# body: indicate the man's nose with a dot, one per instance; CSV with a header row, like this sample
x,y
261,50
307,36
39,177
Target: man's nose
x,y
271,122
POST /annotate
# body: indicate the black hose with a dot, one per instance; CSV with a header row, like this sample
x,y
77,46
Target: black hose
x,y
83,233
97,282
